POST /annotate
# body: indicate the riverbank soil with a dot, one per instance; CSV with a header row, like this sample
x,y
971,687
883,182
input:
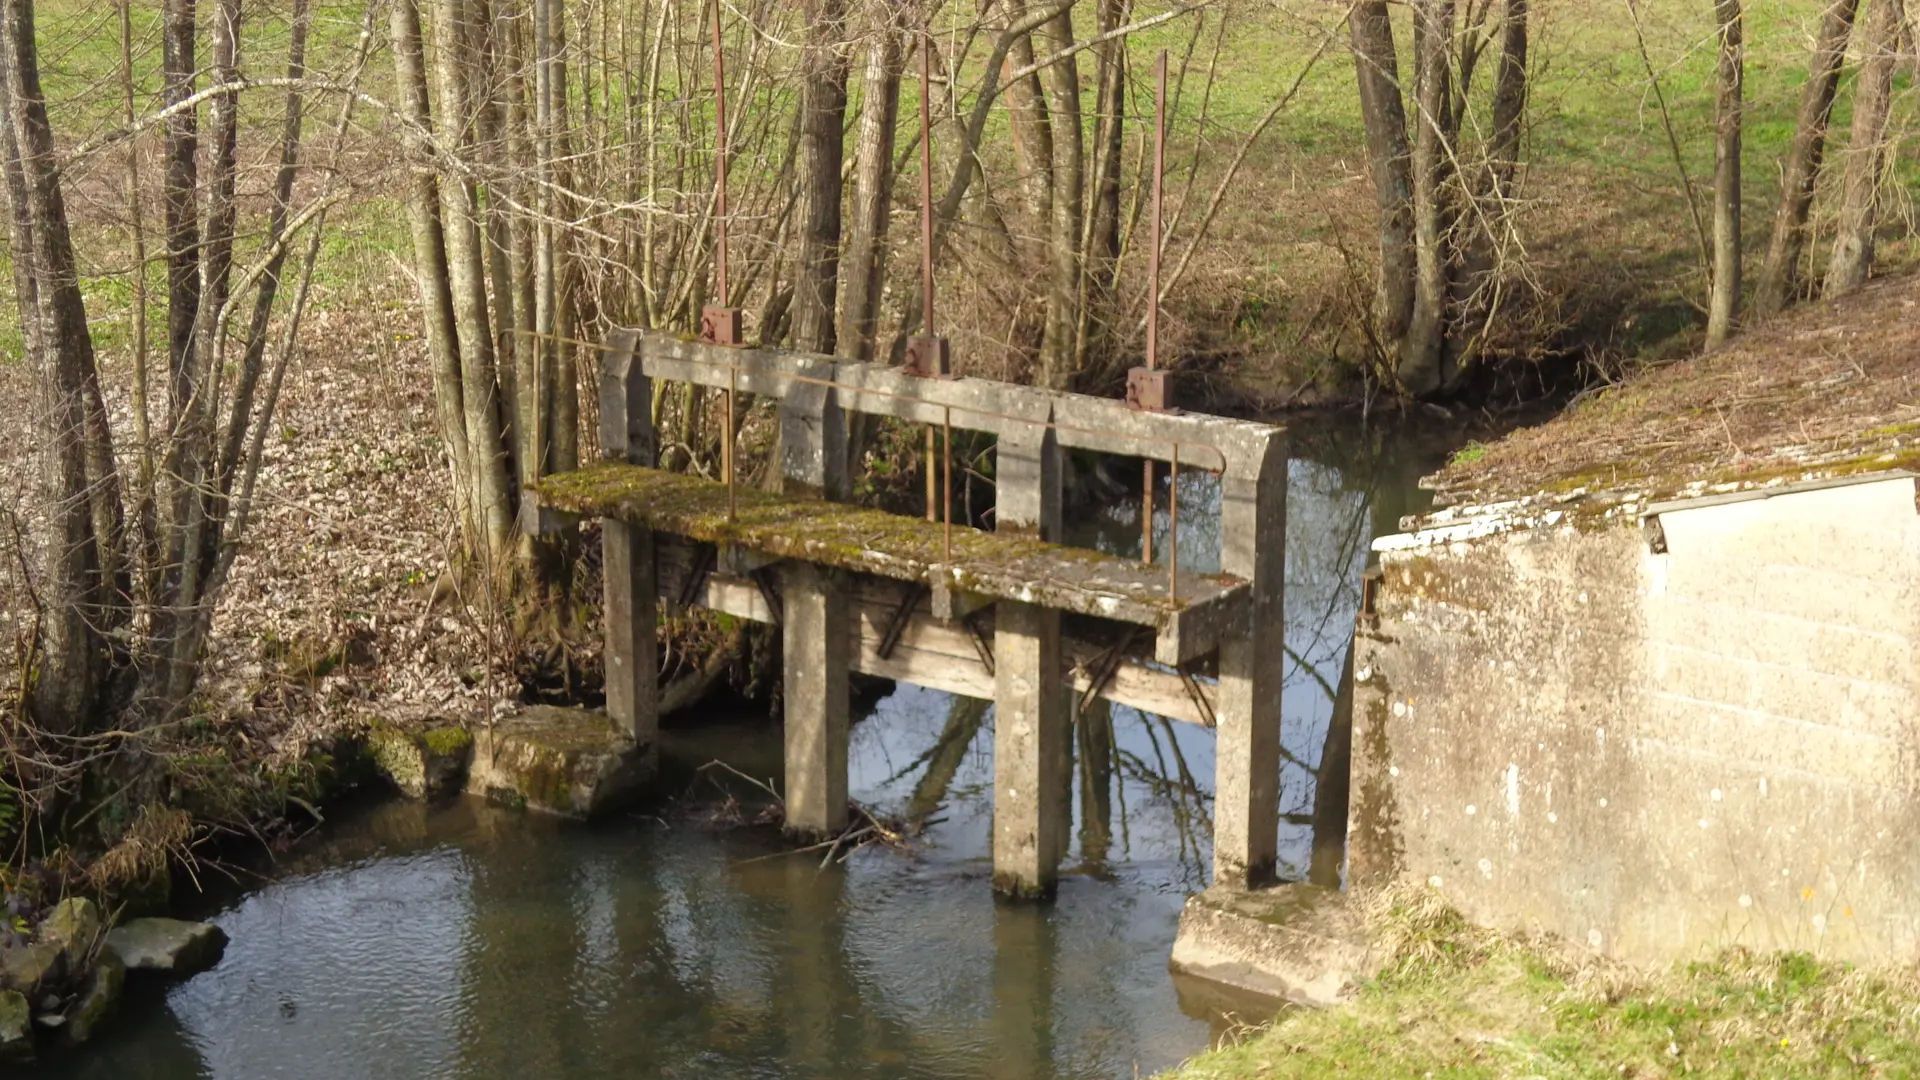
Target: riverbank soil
x,y
1830,389
1466,1003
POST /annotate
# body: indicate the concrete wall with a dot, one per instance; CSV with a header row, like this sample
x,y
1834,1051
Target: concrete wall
x,y
1655,753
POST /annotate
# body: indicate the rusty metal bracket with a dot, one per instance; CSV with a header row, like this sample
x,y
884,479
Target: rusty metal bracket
x,y
897,622
1106,666
980,643
1199,697
1153,390
929,356
722,326
704,557
769,594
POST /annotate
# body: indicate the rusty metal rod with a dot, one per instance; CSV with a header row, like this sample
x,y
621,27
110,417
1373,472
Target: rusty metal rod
x,y
726,455
1153,283
719,163
1173,528
933,490
1146,513
926,174
946,480
1153,247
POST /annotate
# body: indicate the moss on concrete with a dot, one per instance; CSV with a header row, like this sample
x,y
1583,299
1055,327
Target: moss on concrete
x,y
1002,565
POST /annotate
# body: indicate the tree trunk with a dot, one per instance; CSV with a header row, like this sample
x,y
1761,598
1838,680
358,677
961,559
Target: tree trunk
x,y
1058,343
1027,115
865,258
823,122
80,602
1420,363
1509,98
466,277
430,258
1852,255
182,208
1800,170
1390,159
1723,304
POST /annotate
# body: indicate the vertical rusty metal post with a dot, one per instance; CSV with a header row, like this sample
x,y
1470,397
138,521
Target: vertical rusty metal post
x,y
1153,283
726,450
1173,527
933,492
720,162
946,483
926,174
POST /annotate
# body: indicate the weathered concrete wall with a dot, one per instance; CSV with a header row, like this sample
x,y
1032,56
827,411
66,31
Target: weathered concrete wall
x,y
1654,752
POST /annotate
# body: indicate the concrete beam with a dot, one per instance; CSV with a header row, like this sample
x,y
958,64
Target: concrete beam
x,y
815,639
631,612
1030,796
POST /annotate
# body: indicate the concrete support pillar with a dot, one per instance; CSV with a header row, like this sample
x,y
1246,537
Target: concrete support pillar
x,y
816,643
1030,731
1253,530
632,598
813,436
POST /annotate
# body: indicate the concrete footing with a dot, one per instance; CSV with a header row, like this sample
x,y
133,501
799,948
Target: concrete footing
x,y
1299,943
572,762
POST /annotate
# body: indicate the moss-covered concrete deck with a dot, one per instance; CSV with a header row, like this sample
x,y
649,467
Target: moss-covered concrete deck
x,y
991,565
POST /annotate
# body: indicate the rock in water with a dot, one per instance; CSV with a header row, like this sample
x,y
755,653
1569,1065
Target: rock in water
x,y
31,969
571,762
74,926
170,946
422,764
98,999
16,1027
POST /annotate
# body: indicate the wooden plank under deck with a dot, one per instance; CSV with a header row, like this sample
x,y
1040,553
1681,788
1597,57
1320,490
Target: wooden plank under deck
x,y
937,654
911,549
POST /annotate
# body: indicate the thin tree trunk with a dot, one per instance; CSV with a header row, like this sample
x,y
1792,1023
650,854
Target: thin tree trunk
x,y
1102,242
80,602
1800,170
1723,304
1390,159
182,208
1032,134
1852,255
1420,367
1058,344
864,262
823,117
1509,98
430,258
466,276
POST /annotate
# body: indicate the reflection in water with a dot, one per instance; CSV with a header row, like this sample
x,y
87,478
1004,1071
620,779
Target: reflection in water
x,y
469,942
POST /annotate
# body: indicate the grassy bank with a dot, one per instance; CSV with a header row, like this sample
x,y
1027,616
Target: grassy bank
x,y
1460,1002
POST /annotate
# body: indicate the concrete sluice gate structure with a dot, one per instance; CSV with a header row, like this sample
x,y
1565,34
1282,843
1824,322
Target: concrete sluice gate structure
x,y
1650,682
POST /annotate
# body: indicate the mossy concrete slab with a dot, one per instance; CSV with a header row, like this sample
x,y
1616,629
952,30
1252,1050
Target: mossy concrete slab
x,y
1298,943
168,946
571,762
1001,566
422,763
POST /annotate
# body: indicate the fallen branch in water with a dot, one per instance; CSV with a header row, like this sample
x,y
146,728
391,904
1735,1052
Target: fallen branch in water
x,y
865,825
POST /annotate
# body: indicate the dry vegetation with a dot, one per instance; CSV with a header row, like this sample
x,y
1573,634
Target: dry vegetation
x,y
1830,389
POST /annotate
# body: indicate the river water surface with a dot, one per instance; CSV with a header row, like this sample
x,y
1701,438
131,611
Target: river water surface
x,y
464,941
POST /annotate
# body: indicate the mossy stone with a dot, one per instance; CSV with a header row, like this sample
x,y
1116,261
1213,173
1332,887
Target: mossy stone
x,y
16,1027
74,926
422,764
98,999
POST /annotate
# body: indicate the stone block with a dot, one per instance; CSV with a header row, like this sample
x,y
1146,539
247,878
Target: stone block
x,y
1299,943
31,969
16,1027
572,762
169,946
99,998
422,764
74,925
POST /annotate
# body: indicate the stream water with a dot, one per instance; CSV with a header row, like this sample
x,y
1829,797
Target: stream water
x,y
463,941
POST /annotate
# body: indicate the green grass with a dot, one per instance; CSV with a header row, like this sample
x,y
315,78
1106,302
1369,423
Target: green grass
x,y
1466,1004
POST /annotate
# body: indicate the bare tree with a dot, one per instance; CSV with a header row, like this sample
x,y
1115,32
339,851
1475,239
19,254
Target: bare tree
x,y
1729,74
1867,151
1800,169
